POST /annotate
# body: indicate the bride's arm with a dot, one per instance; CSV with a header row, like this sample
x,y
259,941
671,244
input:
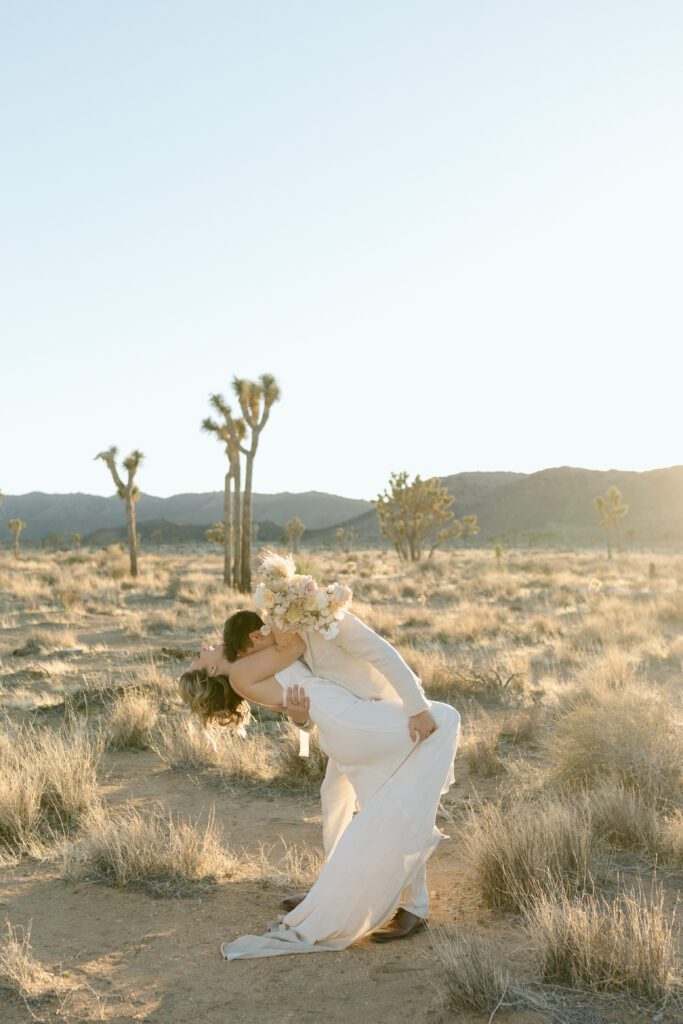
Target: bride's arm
x,y
254,668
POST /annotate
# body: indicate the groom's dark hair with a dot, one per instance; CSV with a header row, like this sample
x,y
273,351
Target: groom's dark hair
x,y
236,632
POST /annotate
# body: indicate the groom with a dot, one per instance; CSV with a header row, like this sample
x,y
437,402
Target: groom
x,y
365,664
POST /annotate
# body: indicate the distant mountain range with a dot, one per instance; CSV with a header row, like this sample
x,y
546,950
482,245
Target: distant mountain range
x,y
547,508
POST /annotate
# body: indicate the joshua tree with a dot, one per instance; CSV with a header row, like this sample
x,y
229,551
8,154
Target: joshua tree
x,y
231,432
346,538
416,514
294,531
15,526
470,527
611,510
256,399
129,493
216,533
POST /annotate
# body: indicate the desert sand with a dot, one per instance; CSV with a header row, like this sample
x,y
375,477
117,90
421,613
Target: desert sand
x,y
513,644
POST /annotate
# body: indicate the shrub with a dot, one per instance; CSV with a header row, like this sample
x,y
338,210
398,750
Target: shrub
x,y
628,944
526,848
633,734
20,972
162,854
130,721
48,778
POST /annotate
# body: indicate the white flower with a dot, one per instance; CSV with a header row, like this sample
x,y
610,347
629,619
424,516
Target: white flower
x,y
264,598
340,593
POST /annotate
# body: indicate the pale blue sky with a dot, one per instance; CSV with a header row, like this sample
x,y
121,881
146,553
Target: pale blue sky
x,y
453,231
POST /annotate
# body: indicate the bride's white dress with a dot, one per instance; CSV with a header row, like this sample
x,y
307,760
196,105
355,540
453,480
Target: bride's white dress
x,y
398,784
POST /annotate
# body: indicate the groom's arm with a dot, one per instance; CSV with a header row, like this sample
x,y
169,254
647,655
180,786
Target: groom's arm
x,y
357,638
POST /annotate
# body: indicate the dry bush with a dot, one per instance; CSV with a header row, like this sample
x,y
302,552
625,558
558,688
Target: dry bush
x,y
634,734
162,854
522,725
47,642
66,763
670,839
471,621
501,680
616,621
480,746
384,619
670,609
295,867
473,978
20,972
246,756
70,598
161,622
130,721
437,670
48,779
623,816
614,668
113,562
182,744
21,814
528,847
161,681
134,625
628,944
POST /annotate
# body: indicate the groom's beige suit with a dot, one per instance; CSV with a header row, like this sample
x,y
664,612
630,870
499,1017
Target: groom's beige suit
x,y
370,668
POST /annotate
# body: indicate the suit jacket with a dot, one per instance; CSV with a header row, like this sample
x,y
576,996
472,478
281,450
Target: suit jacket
x,y
365,664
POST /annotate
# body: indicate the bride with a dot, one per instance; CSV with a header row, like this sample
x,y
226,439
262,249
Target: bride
x,y
398,783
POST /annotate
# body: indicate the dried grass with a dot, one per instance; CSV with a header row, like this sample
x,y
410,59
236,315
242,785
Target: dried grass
x,y
628,944
130,721
634,734
48,780
163,854
20,972
530,847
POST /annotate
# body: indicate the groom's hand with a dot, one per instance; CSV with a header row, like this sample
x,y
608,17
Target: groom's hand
x,y
421,726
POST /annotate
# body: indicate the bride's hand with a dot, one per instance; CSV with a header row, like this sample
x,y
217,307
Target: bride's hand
x,y
297,704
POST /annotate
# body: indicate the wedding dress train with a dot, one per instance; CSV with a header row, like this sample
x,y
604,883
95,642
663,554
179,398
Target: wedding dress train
x,y
398,784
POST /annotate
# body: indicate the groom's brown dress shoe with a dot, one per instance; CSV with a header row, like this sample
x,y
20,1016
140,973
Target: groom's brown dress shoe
x,y
402,925
293,901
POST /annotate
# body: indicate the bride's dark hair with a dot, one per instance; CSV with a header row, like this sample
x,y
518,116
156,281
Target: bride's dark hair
x,y
213,698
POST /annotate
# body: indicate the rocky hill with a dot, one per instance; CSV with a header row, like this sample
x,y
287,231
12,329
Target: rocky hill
x,y
551,507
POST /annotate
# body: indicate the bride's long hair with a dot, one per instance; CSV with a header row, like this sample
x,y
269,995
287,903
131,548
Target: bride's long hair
x,y
212,698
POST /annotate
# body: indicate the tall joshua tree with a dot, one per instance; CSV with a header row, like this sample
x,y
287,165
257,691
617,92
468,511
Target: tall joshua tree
x,y
231,432
129,493
256,399
15,526
611,510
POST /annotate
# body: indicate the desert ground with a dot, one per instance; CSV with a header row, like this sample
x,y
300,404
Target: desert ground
x,y
131,848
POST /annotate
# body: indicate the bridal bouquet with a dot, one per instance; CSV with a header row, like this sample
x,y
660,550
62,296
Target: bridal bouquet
x,y
286,599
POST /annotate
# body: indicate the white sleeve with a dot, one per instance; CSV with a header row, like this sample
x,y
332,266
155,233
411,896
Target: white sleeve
x,y
357,638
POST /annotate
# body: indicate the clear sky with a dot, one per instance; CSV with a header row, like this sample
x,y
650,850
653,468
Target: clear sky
x,y
452,230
